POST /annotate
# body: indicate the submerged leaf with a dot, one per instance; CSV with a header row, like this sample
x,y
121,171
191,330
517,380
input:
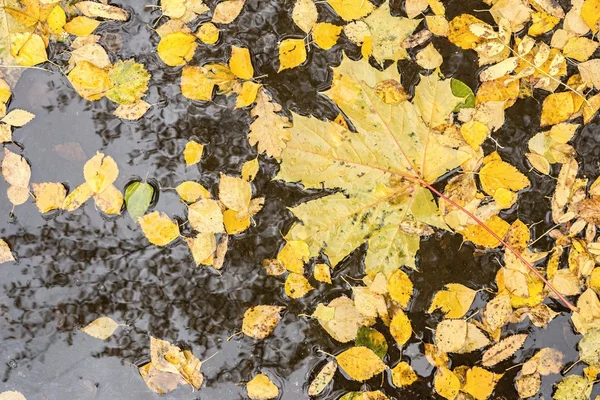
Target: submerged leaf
x,y
322,379
101,328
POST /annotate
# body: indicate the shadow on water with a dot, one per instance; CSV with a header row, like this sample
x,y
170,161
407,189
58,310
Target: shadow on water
x,y
73,268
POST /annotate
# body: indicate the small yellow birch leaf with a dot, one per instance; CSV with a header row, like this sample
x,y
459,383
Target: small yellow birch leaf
x,y
528,385
305,14
297,286
481,237
192,153
293,255
5,253
400,287
17,194
497,312
322,379
437,24
455,301
57,19
500,174
240,63
15,169
18,117
28,49
446,383
580,48
205,216
177,48
292,52
208,33
133,111
77,197
203,247
480,383
49,195
93,9
435,357
351,9
110,200
559,107
360,363
261,388
5,133
81,26
429,57
248,94
250,169
235,224
227,11
542,23
400,327
403,375
191,191
101,328
474,133
100,172
259,321
326,35
540,163
89,81
235,193
450,335
590,12
505,198
322,273
158,228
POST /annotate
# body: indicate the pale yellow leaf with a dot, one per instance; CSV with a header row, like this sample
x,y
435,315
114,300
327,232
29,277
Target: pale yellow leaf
x,y
101,328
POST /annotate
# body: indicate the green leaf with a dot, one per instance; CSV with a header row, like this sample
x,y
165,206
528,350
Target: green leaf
x,y
138,196
460,89
373,339
129,80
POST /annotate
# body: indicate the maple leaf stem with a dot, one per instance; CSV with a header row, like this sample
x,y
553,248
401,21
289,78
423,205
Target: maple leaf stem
x,y
503,242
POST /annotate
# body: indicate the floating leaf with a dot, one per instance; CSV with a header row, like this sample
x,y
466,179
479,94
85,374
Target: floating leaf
x,y
292,52
158,228
259,321
503,349
101,328
322,273
110,201
5,253
15,169
360,363
227,11
573,387
455,301
240,63
373,339
403,375
138,196
269,129
446,383
293,255
589,347
100,172
322,379
18,117
193,152
305,14
99,10
129,82
480,383
192,191
12,395
205,216
297,286
262,388
49,195
400,327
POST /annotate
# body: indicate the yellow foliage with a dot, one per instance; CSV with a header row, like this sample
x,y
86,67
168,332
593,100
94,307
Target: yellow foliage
x,y
240,63
192,153
177,48
360,363
292,52
158,228
49,195
81,26
326,35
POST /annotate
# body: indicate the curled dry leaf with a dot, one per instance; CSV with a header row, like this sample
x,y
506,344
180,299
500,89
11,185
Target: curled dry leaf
x,y
101,328
259,321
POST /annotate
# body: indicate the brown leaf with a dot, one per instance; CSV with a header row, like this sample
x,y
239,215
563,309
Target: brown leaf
x,y
503,350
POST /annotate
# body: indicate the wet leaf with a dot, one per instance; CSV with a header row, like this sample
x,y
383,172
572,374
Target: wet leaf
x,y
455,301
132,111
360,363
18,117
589,347
15,169
480,383
373,339
168,358
446,383
28,49
400,287
305,14
400,327
129,82
205,216
240,63
100,172
98,10
322,379
158,228
269,129
190,191
227,11
503,349
138,196
403,375
546,361
12,395
261,388
297,286
528,385
77,197
177,48
322,273
326,35
5,253
293,255
259,321
89,81
101,328
49,195
192,153
250,169
292,52
573,387
81,26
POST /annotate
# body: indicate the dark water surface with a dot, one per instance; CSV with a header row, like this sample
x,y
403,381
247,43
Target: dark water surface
x,y
75,267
